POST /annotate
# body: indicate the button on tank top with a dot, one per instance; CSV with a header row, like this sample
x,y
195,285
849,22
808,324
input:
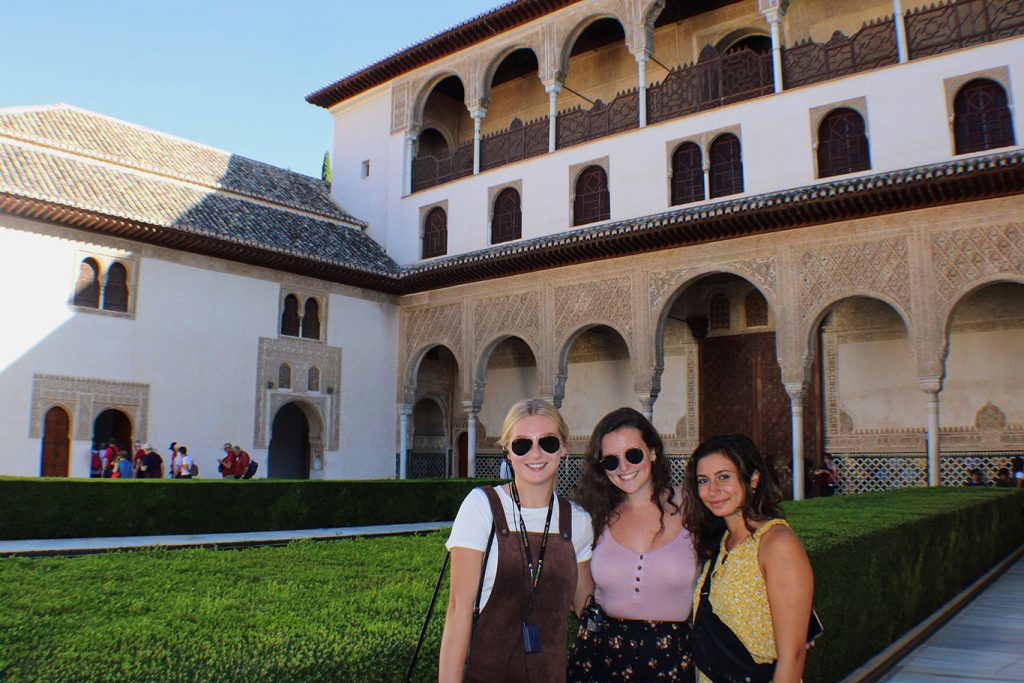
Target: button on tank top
x,y
655,586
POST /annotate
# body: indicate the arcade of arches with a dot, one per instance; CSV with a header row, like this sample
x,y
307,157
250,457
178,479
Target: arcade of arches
x,y
860,337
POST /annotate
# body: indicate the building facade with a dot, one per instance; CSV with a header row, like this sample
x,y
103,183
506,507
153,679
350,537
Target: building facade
x,y
758,216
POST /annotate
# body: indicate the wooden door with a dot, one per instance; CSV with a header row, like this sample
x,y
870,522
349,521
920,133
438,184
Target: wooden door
x,y
56,447
741,391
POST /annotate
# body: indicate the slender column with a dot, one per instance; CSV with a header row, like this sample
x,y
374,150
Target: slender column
x,y
477,114
404,411
932,386
641,65
901,31
471,413
410,142
647,406
552,88
796,391
773,11
706,164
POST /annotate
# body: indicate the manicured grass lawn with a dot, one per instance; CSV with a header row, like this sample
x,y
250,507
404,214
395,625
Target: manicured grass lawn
x,y
346,610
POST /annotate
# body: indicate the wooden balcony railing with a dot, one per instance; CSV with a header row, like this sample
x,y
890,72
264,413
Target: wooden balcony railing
x,y
577,125
428,171
962,23
517,142
871,47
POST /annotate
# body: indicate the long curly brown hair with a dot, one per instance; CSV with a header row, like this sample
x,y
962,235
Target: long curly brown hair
x,y
598,495
759,504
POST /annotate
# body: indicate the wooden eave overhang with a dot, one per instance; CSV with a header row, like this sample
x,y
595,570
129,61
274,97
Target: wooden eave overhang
x,y
467,34
963,180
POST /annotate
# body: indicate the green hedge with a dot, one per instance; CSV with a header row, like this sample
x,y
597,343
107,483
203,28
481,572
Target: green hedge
x,y
76,508
885,561
351,610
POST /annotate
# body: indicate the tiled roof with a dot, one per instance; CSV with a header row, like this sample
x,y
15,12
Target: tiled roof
x,y
87,133
72,158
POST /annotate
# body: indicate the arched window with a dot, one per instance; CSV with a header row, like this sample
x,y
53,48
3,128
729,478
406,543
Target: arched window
x,y
842,144
718,312
313,379
435,233
311,319
507,221
290,316
115,293
284,376
87,287
592,200
756,309
981,117
687,174
726,176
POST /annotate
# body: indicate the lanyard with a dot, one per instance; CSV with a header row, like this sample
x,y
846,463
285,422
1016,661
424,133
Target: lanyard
x,y
534,572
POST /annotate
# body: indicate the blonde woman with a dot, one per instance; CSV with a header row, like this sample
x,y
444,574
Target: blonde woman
x,y
516,553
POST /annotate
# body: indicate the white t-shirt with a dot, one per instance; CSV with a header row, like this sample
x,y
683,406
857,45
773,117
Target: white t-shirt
x,y
185,465
473,525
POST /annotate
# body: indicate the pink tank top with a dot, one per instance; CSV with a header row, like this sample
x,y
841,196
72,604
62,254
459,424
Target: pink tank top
x,y
654,586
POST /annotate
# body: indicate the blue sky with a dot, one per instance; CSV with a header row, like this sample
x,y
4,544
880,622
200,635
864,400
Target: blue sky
x,y
228,73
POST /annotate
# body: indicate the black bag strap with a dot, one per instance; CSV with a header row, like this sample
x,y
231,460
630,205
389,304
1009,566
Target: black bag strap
x,y
426,621
476,603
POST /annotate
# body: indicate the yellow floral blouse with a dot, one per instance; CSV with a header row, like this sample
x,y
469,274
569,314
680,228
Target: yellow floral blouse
x,y
739,596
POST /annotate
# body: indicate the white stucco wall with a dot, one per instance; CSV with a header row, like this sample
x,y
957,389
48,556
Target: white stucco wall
x,y
907,124
194,340
504,387
593,390
878,385
983,367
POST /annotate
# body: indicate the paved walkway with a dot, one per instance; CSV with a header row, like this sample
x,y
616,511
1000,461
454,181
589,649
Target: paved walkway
x,y
984,642
70,546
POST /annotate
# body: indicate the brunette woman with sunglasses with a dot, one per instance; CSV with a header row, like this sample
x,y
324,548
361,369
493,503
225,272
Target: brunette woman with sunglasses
x,y
643,568
516,552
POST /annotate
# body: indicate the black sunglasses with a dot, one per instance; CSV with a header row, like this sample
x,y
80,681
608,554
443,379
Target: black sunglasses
x,y
634,456
523,445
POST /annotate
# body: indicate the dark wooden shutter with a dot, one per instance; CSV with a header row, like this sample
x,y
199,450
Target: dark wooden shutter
x,y
435,233
981,117
687,174
726,176
507,220
842,144
311,319
592,200
87,287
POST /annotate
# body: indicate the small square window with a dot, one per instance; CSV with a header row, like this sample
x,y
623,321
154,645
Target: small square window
x,y
364,169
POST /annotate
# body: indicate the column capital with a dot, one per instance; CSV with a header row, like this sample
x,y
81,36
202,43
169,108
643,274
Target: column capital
x,y
797,391
404,409
930,385
477,112
471,408
642,55
552,85
773,10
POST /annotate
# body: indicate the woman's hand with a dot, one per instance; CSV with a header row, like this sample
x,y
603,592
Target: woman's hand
x,y
584,586
789,580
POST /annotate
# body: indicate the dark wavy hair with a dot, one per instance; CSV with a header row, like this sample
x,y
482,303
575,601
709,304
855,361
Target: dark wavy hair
x,y
597,494
759,504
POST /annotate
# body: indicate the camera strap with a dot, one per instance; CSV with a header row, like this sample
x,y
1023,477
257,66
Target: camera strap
x,y
534,571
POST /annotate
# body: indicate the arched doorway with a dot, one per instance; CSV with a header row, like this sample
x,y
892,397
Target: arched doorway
x,y
56,444
112,424
288,453
429,440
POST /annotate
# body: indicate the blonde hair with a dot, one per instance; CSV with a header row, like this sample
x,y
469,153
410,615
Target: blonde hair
x,y
526,408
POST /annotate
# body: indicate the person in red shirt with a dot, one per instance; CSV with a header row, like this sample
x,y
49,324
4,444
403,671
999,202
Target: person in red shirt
x,y
109,456
227,463
240,463
140,453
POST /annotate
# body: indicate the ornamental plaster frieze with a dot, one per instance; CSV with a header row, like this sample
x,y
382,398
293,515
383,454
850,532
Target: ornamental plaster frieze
x,y
963,259
600,302
434,325
513,314
759,271
879,267
84,399
320,399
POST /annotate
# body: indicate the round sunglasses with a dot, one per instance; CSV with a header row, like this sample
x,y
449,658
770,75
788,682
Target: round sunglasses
x,y
634,456
523,445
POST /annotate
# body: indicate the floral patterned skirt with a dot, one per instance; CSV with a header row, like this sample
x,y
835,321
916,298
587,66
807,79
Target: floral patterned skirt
x,y
631,650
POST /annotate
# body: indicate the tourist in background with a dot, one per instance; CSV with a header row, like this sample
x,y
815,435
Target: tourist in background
x,y
527,545
96,460
152,466
1018,471
174,468
124,468
643,567
184,463
761,584
226,465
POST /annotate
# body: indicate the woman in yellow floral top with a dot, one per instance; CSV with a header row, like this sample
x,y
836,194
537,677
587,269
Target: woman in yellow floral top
x,y
762,584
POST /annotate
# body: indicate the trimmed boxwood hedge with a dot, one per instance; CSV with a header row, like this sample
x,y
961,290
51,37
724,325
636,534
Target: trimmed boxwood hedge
x,y
32,508
351,609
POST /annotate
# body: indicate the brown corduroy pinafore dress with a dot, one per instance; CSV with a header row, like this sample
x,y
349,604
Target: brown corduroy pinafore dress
x,y
498,654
